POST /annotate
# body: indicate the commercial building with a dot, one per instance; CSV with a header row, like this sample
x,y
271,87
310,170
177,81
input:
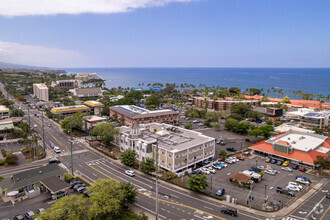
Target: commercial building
x,y
40,90
296,147
269,111
89,77
6,126
93,120
132,113
69,110
88,92
4,112
66,84
297,113
179,149
315,120
218,104
95,107
31,183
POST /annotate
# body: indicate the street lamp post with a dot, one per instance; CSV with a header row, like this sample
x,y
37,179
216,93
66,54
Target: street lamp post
x,y
43,132
71,148
157,179
211,182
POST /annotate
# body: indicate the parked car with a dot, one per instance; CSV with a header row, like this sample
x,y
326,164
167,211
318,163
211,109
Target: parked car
x,y
229,211
35,126
78,186
29,214
234,159
220,192
205,162
303,181
255,169
270,171
285,191
295,184
285,163
328,195
231,149
223,164
240,157
72,184
260,167
40,211
221,142
247,153
130,172
81,189
304,178
267,160
295,166
211,170
204,170
286,169
273,161
302,169
59,194
229,161
195,172
216,166
293,188
279,163
19,217
195,121
57,150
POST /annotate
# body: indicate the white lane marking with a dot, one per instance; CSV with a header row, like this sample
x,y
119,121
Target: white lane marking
x,y
152,212
94,174
271,187
208,207
174,196
228,174
315,207
296,217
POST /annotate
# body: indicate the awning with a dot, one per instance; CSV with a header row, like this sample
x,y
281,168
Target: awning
x,y
55,184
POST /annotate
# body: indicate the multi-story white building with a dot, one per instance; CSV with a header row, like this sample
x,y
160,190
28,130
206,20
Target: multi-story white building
x,y
40,90
315,120
66,84
179,149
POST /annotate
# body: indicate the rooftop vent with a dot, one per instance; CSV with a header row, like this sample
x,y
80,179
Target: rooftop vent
x,y
40,172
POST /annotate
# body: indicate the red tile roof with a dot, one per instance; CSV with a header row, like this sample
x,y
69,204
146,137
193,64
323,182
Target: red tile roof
x,y
240,177
295,155
326,143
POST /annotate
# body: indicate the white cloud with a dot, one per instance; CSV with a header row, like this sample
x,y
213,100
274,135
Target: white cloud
x,y
40,55
52,7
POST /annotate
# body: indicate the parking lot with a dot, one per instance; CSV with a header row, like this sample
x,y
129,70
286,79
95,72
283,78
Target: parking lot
x,y
266,187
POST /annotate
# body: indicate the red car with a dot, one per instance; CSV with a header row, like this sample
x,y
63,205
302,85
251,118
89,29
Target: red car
x,y
302,169
240,157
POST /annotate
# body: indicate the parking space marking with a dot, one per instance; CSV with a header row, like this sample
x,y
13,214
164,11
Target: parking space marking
x,y
208,208
228,174
271,187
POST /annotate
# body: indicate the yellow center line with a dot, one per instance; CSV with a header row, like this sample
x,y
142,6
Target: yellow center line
x,y
325,213
19,168
52,136
162,200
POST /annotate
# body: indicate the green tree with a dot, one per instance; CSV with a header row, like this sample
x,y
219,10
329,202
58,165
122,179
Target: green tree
x,y
266,130
153,100
148,165
269,122
197,183
130,194
223,154
188,126
75,120
70,207
107,199
242,127
230,124
235,91
11,159
106,131
253,115
217,126
256,132
277,123
318,130
265,98
286,99
254,91
322,162
128,157
17,113
240,108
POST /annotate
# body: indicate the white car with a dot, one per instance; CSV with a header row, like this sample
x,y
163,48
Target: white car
x,y
57,150
211,169
204,170
224,164
130,172
295,184
269,171
261,167
229,161
235,160
195,121
286,169
293,188
216,167
35,125
300,180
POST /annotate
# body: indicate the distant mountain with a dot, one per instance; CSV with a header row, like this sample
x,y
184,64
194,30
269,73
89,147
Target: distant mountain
x,y
4,65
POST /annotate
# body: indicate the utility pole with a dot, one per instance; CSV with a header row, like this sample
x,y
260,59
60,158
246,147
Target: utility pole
x,y
71,147
157,179
29,116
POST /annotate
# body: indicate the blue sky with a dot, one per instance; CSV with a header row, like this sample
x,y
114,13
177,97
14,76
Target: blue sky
x,y
166,33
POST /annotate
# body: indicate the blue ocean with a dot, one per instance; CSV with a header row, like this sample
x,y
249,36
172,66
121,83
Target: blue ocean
x,y
309,80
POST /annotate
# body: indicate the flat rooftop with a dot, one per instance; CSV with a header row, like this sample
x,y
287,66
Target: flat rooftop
x,y
4,108
170,137
133,111
317,114
93,103
92,118
299,140
70,108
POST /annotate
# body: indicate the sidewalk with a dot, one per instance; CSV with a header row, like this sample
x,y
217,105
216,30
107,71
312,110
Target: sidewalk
x,y
281,213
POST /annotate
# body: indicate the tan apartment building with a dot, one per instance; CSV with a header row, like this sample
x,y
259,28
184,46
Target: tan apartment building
x,y
132,113
218,104
66,84
40,90
179,149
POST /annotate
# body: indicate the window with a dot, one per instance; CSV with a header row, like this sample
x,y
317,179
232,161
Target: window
x,y
183,163
170,155
162,162
137,147
143,150
206,146
184,154
137,156
200,147
163,152
205,153
177,156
